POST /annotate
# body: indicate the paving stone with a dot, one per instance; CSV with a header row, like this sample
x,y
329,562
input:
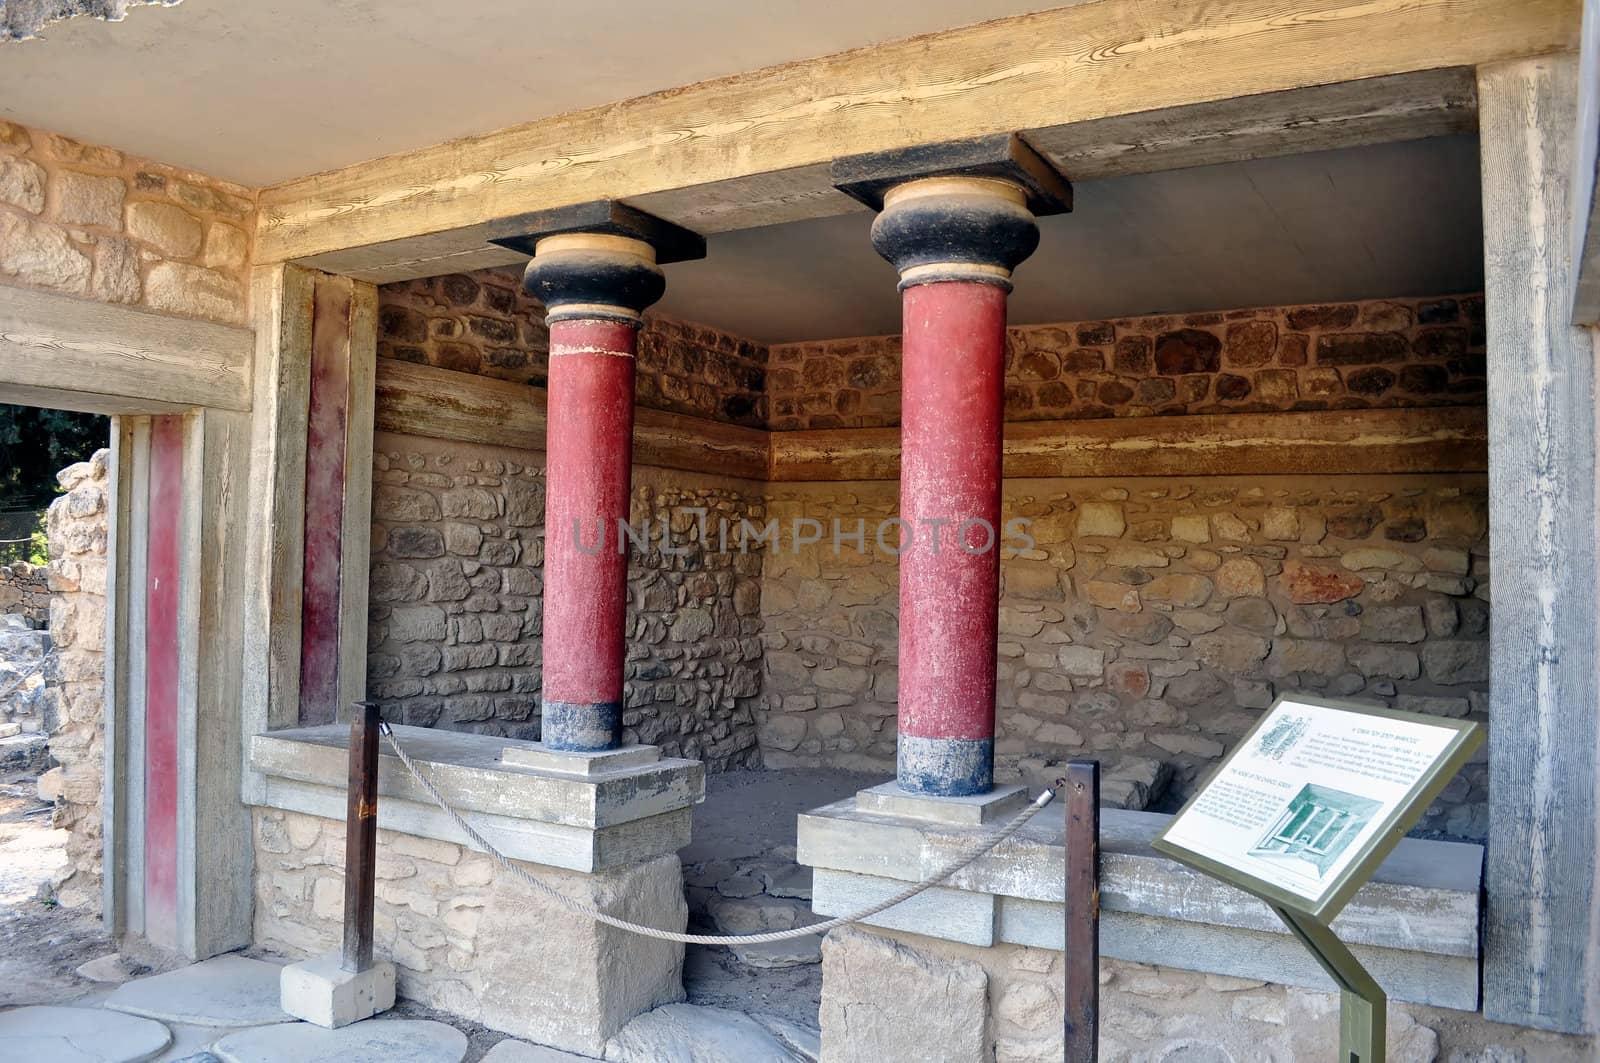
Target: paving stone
x,y
223,991
80,1035
794,952
513,1051
372,1041
689,1033
114,967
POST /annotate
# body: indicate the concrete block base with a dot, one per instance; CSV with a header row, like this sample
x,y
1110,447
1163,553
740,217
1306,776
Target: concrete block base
x,y
887,799
537,756
322,992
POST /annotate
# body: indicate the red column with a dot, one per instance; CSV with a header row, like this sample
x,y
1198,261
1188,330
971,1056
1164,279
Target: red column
x,y
589,464
596,267
952,401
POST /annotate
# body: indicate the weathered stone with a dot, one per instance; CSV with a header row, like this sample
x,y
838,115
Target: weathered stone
x,y
1251,343
1179,589
1192,528
87,199
938,1009
116,271
689,1033
39,254
1306,583
80,1035
1383,662
1232,652
1306,655
374,1041
227,990
1101,519
1401,623
1187,351
1081,660
1456,661
194,291
227,246
1240,578
168,228
21,183
403,504
415,541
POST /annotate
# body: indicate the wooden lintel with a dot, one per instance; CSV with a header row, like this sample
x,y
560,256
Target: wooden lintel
x,y
1446,439
765,137
81,355
440,404
421,400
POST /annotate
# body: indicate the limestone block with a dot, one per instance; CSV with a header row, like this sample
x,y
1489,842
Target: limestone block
x,y
39,254
168,228
322,992
22,184
591,978
687,1033
88,199
194,291
937,1008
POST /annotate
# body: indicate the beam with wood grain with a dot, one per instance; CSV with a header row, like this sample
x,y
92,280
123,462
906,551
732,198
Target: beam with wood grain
x,y
83,355
438,403
753,148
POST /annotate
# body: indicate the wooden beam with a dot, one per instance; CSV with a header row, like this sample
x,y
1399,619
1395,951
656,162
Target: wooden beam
x,y
424,401
765,135
104,358
1541,962
1447,439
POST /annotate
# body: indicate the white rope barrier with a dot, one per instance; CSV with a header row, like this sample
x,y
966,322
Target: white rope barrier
x,y
589,911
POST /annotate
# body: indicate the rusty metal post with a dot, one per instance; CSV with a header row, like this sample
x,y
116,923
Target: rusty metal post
x,y
361,838
1081,790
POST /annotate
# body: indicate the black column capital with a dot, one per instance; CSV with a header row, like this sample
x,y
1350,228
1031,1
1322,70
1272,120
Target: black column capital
x,y
962,210
597,259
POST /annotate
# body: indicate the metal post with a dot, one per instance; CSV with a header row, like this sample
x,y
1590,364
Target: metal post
x,y
1081,790
1363,1005
361,838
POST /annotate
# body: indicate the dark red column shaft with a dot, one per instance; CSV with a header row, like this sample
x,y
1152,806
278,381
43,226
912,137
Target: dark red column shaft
x,y
951,423
589,454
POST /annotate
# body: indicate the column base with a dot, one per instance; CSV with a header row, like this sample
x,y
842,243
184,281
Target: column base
x,y
323,993
540,757
975,810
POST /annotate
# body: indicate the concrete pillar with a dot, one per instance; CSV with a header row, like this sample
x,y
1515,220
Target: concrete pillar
x,y
955,221
596,268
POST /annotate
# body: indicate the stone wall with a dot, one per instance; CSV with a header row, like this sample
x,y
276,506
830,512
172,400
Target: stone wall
x,y
483,323
1152,622
468,938
25,591
90,221
457,594
1399,352
75,690
959,1003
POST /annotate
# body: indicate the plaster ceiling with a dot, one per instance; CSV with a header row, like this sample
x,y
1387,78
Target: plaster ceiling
x,y
260,92
1389,220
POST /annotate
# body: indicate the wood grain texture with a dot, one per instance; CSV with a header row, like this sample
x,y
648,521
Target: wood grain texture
x,y
1450,439
356,536
119,647
281,301
113,359
1033,72
217,851
440,404
1542,952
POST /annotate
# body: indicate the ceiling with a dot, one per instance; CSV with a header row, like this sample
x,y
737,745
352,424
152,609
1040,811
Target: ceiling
x,y
1389,220
260,92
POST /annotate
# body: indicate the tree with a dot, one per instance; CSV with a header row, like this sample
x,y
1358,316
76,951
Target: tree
x,y
36,443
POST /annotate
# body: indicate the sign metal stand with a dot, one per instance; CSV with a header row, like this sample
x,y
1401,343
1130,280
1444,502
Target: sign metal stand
x,y
1336,785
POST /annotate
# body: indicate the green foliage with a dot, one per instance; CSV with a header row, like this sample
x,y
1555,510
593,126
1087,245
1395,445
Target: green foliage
x,y
36,443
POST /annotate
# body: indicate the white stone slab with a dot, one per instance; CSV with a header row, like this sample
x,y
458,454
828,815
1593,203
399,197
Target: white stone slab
x,y
552,844
538,757
690,1033
887,799
373,1041
954,915
320,991
222,991
512,1051
79,1035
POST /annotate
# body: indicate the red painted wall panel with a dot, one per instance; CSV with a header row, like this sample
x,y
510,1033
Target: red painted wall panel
x,y
324,529
164,506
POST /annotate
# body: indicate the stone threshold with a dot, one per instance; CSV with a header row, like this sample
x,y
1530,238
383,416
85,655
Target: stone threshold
x,y
562,819
1416,925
